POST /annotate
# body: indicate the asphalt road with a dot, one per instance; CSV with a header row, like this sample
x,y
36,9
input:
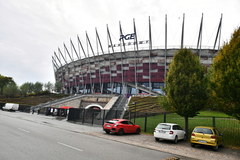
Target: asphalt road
x,y
29,139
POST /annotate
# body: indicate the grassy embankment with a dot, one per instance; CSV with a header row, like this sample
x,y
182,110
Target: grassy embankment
x,y
32,100
229,126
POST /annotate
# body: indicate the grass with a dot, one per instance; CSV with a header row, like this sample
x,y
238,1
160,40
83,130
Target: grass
x,y
145,104
212,114
229,126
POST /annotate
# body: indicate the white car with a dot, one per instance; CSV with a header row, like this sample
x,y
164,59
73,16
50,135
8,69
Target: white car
x,y
169,131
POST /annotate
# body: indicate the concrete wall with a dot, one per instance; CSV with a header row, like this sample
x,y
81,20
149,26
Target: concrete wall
x,y
85,101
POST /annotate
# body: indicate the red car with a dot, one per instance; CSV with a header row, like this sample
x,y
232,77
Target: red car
x,y
121,126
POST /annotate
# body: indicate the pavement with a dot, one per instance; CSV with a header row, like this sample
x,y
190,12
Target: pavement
x,y
182,150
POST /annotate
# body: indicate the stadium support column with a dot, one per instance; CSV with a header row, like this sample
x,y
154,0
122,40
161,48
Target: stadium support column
x,y
90,74
110,71
69,70
150,49
80,45
66,71
62,80
99,69
54,62
218,34
182,38
165,65
66,50
55,67
79,58
199,43
79,42
136,53
123,84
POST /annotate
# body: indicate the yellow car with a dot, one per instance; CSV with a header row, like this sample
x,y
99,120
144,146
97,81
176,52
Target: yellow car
x,y
206,136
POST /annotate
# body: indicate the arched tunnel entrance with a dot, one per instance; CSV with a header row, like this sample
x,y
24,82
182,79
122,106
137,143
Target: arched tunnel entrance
x,y
94,107
93,112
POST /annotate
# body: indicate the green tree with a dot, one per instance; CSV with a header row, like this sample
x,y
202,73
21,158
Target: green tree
x,y
186,85
38,87
4,81
225,77
26,88
48,87
57,87
10,90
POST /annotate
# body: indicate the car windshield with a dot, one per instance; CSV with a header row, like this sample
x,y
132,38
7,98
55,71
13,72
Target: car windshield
x,y
164,126
203,130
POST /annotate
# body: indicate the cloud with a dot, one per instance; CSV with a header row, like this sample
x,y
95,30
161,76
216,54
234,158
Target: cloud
x,y
32,30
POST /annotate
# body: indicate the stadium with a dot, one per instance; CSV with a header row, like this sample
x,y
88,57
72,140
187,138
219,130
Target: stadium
x,y
129,67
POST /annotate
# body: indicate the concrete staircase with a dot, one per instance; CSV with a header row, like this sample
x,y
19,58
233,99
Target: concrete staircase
x,y
118,109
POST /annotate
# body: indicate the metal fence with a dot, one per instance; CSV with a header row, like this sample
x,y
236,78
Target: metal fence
x,y
228,126
91,116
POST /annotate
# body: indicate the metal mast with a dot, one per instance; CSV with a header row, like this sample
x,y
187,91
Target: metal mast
x,y
150,49
182,38
109,59
66,71
91,81
123,85
79,57
136,53
61,68
88,68
199,43
165,65
99,66
218,34
81,63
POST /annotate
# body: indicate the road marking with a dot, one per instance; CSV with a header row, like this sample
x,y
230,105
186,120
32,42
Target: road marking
x,y
70,146
24,130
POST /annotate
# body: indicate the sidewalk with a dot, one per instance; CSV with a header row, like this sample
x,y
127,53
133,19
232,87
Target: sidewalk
x,y
182,148
142,140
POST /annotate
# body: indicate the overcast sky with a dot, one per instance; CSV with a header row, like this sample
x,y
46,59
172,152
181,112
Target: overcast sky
x,y
31,30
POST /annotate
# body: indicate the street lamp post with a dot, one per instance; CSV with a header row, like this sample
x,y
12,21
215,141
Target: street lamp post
x,y
134,103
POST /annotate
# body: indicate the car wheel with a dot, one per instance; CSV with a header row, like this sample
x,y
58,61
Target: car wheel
x,y
121,132
176,140
192,144
215,148
138,130
157,139
108,132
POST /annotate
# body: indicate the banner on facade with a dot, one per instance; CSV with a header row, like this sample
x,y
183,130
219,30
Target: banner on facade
x,y
129,43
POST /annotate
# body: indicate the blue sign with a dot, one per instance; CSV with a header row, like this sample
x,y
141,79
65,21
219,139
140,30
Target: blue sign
x,y
127,37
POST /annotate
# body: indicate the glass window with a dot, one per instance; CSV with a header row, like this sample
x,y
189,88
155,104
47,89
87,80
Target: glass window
x,y
203,130
112,121
177,127
124,122
164,126
130,123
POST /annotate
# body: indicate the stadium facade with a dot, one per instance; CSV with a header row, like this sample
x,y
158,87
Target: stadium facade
x,y
130,70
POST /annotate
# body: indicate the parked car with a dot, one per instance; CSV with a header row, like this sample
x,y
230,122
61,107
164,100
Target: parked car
x,y
206,136
169,131
121,126
11,107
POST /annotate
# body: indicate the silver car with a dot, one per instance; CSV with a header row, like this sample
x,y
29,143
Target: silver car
x,y
169,131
